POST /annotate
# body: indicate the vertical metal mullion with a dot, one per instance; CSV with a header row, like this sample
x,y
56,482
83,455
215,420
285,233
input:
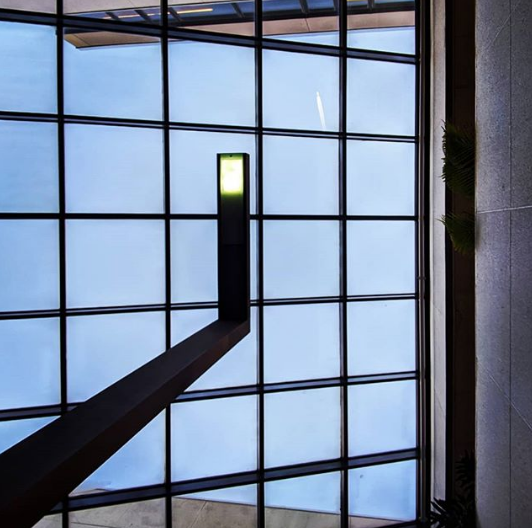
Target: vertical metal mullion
x,y
167,250
422,14
342,155
261,512
62,225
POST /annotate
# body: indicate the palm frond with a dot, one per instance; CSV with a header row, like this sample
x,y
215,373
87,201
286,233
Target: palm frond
x,y
461,229
459,160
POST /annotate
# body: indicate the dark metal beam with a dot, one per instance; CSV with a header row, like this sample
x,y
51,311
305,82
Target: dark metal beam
x,y
40,471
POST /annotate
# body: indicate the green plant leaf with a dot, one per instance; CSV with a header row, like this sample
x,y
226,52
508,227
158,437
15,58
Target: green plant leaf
x,y
461,229
459,160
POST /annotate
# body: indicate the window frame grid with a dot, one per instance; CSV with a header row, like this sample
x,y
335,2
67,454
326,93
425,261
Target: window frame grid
x,y
165,32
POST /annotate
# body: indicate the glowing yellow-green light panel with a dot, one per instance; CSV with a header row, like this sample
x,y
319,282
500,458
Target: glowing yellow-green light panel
x,y
232,173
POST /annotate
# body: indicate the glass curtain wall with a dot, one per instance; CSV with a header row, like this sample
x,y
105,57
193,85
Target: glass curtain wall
x,y
111,116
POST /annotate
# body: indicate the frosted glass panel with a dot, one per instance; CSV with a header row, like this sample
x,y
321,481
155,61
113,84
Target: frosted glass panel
x,y
301,426
194,168
283,20
115,262
223,508
301,342
14,431
380,178
387,491
117,80
28,157
301,259
30,362
29,266
398,39
214,437
194,261
114,169
187,322
104,348
139,463
300,91
317,493
381,97
381,337
28,65
236,495
382,417
145,514
212,83
238,367
300,175
381,257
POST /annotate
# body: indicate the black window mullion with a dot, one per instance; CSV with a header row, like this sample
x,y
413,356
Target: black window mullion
x,y
167,251
62,229
261,505
344,495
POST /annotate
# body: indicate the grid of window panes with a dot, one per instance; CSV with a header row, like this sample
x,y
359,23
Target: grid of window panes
x,y
110,122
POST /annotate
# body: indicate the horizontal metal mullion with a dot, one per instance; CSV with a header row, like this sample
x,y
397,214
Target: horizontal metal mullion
x,y
200,216
229,392
202,127
103,310
30,412
237,479
384,56
206,127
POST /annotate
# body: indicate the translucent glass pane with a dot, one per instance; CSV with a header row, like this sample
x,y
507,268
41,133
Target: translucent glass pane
x,y
104,348
223,508
116,10
385,492
380,178
382,417
315,22
28,64
394,39
212,83
214,437
146,514
43,6
28,157
14,431
114,169
115,262
238,367
305,501
301,342
194,261
194,168
381,337
30,362
50,521
301,259
213,16
381,257
113,74
300,175
301,426
139,463
381,97
300,91
29,266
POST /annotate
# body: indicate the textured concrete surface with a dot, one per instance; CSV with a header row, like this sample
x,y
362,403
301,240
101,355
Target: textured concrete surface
x,y
195,513
504,257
